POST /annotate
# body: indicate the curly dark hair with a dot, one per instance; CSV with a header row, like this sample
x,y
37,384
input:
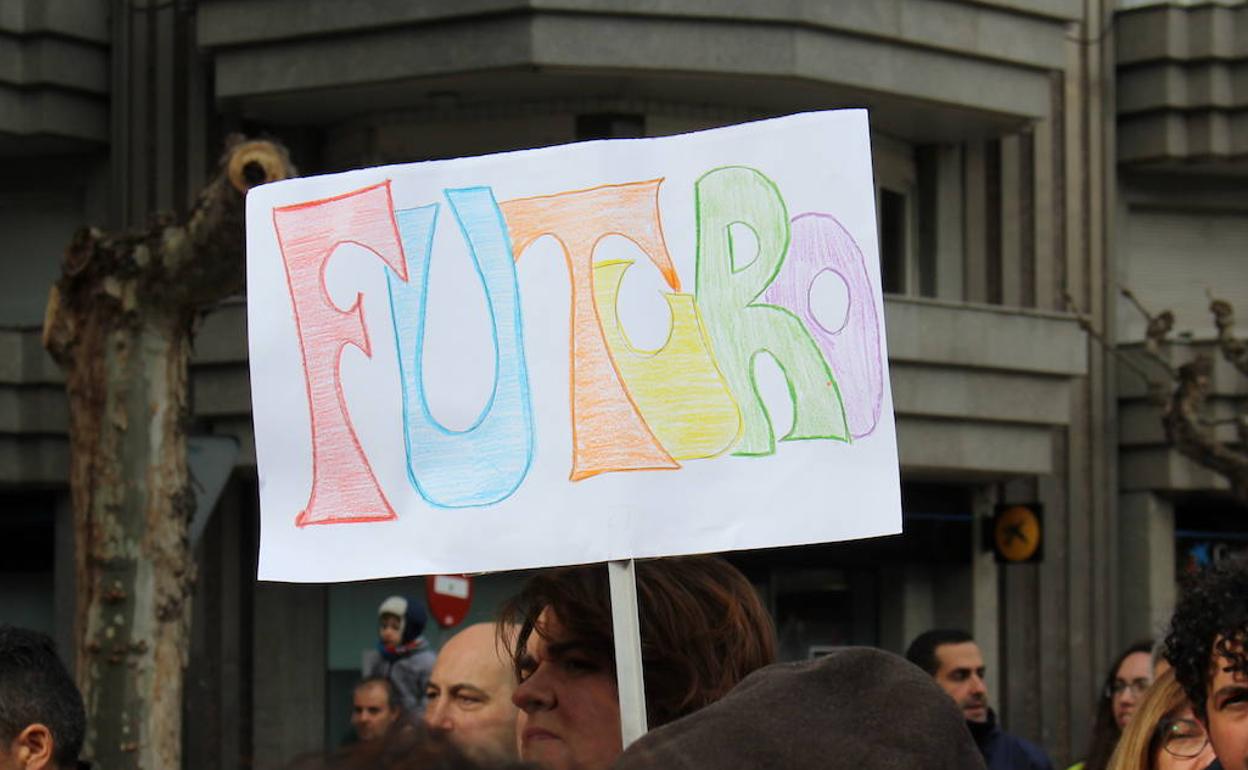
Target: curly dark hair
x,y
1212,612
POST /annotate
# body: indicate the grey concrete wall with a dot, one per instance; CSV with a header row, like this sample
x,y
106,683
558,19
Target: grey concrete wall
x,y
1183,85
42,203
1146,538
53,76
978,62
288,656
34,418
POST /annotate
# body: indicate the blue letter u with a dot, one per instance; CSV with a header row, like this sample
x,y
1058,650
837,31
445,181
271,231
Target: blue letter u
x,y
486,462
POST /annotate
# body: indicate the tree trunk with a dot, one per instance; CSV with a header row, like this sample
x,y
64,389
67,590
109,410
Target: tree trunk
x,y
120,322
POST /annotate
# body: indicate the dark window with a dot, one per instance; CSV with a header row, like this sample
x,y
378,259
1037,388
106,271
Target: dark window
x,y
26,568
1208,529
892,241
610,125
992,223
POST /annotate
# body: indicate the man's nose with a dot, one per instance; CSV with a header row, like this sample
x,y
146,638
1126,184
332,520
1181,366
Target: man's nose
x,y
438,716
977,684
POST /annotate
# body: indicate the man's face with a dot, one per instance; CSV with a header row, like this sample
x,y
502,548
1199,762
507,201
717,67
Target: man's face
x,y
371,713
1226,711
469,695
961,674
571,708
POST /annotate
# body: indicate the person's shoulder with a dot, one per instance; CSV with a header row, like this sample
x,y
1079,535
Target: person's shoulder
x,y
1036,757
420,657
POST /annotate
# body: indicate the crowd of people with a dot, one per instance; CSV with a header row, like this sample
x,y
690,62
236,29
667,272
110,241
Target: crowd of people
x,y
537,689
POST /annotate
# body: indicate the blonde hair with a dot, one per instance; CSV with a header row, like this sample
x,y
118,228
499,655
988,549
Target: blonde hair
x,y
1137,749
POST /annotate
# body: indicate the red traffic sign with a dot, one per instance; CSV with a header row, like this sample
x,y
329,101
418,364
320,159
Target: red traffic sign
x,y
449,597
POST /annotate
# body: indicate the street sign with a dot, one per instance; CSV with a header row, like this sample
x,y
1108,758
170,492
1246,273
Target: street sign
x,y
1017,532
449,598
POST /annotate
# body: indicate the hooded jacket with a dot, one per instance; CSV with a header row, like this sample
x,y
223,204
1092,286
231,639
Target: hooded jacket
x,y
853,709
409,664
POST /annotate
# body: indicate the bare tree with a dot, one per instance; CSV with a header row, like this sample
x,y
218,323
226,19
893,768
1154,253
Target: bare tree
x,y
120,321
1181,392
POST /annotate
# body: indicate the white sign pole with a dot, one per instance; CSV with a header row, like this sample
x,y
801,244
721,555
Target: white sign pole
x,y
627,650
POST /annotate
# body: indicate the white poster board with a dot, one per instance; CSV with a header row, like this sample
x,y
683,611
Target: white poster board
x,y
599,351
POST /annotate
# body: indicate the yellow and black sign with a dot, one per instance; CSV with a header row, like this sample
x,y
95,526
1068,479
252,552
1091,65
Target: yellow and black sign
x,y
1017,532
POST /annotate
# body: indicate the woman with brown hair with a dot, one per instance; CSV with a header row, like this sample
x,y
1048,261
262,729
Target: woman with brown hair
x,y
1126,682
703,629
1163,734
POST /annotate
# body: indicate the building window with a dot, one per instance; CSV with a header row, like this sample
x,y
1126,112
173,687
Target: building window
x,y
609,125
26,571
905,177
894,241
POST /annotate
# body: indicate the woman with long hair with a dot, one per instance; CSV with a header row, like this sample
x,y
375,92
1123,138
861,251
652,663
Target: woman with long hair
x,y
1163,734
1128,678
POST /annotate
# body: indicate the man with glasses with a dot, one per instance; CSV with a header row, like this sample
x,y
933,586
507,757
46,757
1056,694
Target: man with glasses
x,y
954,660
1207,648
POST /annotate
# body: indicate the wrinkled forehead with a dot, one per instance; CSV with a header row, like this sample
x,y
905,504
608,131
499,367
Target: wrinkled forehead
x,y
476,656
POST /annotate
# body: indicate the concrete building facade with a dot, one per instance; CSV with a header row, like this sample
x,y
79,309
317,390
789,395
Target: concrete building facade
x,y
1030,157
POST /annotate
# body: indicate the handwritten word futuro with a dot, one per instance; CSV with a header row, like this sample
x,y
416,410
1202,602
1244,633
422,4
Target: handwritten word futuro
x,y
694,398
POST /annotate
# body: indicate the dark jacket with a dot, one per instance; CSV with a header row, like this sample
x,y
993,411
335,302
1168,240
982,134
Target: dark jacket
x,y
854,709
1003,751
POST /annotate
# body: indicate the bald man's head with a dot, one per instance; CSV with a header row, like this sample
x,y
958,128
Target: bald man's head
x,y
469,694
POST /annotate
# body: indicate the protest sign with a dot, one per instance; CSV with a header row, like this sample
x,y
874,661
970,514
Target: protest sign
x,y
592,352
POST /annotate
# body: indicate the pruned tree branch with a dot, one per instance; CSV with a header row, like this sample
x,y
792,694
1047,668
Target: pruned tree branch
x,y
1185,431
1157,389
1184,394
120,322
1233,349
1156,331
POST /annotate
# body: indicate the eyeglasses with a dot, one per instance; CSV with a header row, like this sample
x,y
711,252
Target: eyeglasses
x,y
1183,738
1118,687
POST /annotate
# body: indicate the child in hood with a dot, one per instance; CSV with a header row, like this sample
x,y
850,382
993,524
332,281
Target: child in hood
x,y
402,655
